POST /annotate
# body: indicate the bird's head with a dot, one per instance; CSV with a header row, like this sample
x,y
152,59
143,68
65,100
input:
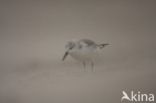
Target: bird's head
x,y
68,47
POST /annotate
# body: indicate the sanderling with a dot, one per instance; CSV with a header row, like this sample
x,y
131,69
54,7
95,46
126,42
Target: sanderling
x,y
83,50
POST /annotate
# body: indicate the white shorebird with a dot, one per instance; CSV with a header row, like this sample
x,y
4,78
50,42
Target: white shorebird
x,y
83,50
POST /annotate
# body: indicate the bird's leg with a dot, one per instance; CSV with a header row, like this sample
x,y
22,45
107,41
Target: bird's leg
x,y
84,65
92,66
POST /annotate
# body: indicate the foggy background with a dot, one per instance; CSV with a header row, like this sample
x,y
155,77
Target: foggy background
x,y
33,35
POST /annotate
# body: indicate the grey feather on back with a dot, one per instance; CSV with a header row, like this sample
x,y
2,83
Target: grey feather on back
x,y
88,42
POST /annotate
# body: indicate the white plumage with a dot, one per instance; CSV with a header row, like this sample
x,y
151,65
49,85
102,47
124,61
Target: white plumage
x,y
82,50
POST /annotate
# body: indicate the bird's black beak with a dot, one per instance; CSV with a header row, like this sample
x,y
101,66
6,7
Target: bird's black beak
x,y
65,55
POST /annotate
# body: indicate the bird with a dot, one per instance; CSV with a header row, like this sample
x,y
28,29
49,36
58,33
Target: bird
x,y
83,50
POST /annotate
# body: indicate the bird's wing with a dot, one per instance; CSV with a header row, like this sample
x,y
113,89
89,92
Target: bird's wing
x,y
87,42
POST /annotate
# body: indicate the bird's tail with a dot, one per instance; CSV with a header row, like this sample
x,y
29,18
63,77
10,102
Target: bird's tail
x,y
101,46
